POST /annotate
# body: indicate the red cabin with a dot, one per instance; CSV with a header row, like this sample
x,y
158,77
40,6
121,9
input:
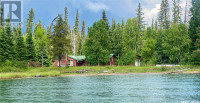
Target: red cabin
x,y
74,61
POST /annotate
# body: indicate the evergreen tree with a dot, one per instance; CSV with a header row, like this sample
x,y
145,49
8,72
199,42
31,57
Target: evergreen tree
x,y
118,41
176,43
40,41
76,34
97,46
6,42
81,39
122,25
164,16
130,41
194,23
104,17
20,45
140,17
176,11
148,52
112,35
29,41
156,25
58,41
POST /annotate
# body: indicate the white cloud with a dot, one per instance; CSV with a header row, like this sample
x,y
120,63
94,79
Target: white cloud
x,y
96,6
149,14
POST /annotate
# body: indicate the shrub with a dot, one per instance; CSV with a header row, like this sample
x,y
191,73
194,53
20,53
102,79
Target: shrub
x,y
13,66
163,68
33,64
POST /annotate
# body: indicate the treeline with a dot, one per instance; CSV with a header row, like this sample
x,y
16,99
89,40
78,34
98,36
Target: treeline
x,y
165,41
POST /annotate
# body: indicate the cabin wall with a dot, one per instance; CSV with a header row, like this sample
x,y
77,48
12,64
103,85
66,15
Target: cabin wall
x,y
65,59
112,61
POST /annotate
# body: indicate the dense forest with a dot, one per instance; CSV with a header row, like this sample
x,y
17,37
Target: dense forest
x,y
167,40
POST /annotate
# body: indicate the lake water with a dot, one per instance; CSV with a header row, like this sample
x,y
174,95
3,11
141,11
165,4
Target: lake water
x,y
140,88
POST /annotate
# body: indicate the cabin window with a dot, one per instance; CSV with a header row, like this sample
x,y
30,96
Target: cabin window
x,y
70,62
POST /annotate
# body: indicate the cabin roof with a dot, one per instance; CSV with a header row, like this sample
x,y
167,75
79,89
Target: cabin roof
x,y
82,57
78,58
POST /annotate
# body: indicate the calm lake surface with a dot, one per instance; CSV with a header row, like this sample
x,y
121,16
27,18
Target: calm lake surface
x,y
140,88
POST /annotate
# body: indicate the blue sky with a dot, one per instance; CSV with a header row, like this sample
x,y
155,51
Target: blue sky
x,y
90,10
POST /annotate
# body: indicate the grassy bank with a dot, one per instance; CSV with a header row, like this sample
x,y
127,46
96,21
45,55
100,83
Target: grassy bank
x,y
94,70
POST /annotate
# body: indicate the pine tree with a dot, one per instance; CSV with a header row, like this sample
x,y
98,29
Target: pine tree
x,y
40,41
29,41
58,41
148,51
112,35
6,42
97,46
164,16
194,23
104,17
176,42
76,33
152,24
82,39
117,43
176,12
20,45
130,41
156,25
140,17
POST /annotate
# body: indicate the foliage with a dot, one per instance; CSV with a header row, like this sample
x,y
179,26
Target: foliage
x,y
58,41
29,41
176,42
163,16
13,66
21,53
97,46
40,41
194,23
195,57
104,17
149,51
128,57
140,17
176,17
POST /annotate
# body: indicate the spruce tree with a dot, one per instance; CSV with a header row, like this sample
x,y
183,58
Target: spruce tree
x,y
29,41
140,17
20,45
58,41
112,35
194,23
40,41
117,43
130,41
104,17
81,39
176,12
97,46
76,33
163,16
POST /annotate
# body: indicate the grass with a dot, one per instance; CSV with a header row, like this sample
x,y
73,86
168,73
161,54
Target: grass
x,y
53,71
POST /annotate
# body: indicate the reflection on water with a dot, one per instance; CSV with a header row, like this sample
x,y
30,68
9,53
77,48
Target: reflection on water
x,y
89,89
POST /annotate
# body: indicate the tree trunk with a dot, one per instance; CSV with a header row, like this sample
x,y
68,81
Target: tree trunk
x,y
42,58
59,60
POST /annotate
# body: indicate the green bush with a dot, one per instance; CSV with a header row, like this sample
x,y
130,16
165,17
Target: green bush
x,y
13,66
163,68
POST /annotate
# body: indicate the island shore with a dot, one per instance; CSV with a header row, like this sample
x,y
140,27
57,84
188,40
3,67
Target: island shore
x,y
97,71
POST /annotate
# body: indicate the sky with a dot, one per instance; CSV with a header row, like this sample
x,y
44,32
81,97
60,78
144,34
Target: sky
x,y
91,10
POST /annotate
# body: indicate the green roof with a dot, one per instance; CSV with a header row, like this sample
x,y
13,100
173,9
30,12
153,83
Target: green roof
x,y
82,57
78,58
